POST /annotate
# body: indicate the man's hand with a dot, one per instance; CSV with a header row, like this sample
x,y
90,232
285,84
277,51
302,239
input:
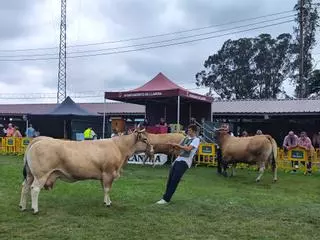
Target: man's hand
x,y
305,148
174,145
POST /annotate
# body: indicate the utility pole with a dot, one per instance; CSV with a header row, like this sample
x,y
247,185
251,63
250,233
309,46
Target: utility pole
x,y
62,71
301,73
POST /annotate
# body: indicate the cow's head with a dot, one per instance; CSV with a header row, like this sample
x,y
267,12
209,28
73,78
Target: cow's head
x,y
221,132
141,136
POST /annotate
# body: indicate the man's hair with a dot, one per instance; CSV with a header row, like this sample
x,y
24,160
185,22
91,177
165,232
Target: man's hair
x,y
193,127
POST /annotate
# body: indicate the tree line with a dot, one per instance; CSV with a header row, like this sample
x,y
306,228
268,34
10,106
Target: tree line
x,y
257,67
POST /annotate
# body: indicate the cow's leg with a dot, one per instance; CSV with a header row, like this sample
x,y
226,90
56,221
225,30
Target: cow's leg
x,y
224,170
233,172
145,158
36,186
107,179
274,170
261,171
219,160
26,186
224,165
153,159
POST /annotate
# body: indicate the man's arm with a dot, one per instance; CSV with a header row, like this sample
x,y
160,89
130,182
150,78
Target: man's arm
x,y
309,143
284,144
186,148
296,142
194,144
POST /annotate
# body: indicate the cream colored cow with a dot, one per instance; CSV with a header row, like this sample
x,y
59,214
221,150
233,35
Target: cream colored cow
x,y
49,159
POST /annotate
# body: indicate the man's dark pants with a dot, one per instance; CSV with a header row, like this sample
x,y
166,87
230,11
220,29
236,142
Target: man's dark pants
x,y
219,160
175,174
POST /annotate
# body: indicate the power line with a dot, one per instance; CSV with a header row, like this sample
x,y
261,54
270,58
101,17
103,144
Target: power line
x,y
147,48
149,36
179,32
86,94
149,43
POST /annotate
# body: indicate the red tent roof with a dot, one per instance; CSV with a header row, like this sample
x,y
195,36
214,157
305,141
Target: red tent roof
x,y
158,87
158,83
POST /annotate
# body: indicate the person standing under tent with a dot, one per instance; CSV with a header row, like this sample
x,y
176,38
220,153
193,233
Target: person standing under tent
x,y
89,134
30,132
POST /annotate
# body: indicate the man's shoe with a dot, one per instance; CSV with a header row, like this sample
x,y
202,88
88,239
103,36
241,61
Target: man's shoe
x,y
162,201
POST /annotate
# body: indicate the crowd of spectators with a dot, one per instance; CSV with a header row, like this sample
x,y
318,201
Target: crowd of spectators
x,y
13,131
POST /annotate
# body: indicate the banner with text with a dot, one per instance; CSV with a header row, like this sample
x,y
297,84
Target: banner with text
x,y
160,159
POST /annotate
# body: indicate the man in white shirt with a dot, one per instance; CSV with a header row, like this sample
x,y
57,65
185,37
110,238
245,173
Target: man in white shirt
x,y
188,148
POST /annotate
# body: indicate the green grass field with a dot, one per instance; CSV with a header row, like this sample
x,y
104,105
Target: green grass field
x,y
205,206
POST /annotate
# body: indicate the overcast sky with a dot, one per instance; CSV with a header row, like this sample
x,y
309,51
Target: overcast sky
x,y
35,24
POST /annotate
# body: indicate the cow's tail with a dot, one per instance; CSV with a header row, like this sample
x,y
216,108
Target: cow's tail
x,y
26,168
25,161
274,152
25,165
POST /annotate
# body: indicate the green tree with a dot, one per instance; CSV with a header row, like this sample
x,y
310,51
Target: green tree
x,y
272,64
248,68
229,72
314,83
310,19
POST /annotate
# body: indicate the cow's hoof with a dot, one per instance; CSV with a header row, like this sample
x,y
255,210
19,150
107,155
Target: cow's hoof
x,y
257,180
275,180
35,212
107,204
22,209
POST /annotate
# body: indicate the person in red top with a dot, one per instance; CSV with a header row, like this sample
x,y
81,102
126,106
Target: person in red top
x,y
10,130
162,122
305,142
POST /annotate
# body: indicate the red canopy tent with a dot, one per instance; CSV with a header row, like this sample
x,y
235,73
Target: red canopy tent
x,y
164,98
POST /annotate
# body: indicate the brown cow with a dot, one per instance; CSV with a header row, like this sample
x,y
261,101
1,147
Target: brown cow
x,y
50,159
159,143
259,149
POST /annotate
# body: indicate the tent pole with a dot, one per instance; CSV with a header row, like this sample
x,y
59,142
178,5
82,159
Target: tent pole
x,y
104,119
178,114
190,113
27,124
211,113
65,129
